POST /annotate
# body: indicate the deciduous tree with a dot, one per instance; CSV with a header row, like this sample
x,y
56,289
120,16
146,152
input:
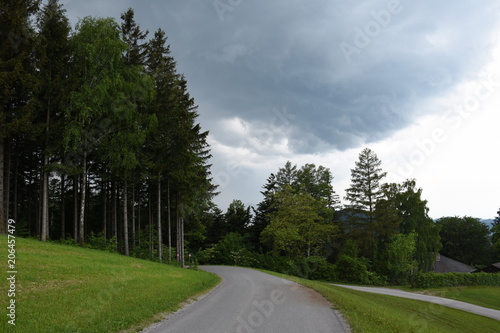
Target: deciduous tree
x,y
101,87
465,239
296,226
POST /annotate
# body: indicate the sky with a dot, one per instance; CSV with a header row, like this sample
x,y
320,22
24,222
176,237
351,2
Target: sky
x,y
418,82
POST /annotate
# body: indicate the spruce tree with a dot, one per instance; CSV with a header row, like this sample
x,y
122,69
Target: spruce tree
x,y
363,195
366,188
18,83
123,148
161,68
53,62
134,37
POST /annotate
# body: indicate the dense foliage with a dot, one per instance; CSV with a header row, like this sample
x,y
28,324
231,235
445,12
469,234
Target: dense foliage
x,y
384,236
98,133
436,280
466,239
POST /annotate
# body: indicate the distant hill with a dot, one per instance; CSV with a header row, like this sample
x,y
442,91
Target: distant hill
x,y
488,222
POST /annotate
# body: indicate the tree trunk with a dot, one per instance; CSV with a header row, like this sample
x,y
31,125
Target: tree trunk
x,y
81,225
133,217
63,210
3,217
150,220
45,181
104,209
139,209
177,230
180,233
115,215
7,179
38,216
75,208
16,186
125,218
45,200
169,224
182,242
160,248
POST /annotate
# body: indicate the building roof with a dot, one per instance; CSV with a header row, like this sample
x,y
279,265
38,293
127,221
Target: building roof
x,y
444,264
493,268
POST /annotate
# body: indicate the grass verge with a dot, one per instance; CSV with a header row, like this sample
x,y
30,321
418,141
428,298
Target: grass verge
x,y
488,297
373,313
69,289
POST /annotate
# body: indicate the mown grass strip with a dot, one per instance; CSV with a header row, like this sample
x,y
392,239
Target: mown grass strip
x,y
70,289
373,313
488,297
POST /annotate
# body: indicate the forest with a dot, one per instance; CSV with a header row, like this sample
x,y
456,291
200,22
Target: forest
x,y
99,138
100,147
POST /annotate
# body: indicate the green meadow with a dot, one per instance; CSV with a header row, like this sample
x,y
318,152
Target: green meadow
x,y
374,313
70,289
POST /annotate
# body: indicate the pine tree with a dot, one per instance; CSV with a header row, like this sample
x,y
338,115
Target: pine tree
x,y
161,68
264,208
365,188
122,148
363,195
190,171
237,218
53,62
133,36
18,83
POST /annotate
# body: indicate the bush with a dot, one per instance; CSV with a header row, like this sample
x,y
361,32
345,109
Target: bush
x,y
94,241
99,242
439,280
231,250
314,268
355,270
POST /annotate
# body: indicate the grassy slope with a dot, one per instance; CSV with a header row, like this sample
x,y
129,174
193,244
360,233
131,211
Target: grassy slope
x,y
367,312
488,297
70,289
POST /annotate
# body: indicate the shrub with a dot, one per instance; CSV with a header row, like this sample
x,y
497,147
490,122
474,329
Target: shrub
x,y
315,268
350,269
438,280
99,242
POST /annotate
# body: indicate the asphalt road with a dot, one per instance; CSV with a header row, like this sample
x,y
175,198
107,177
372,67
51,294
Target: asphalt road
x,y
249,301
495,314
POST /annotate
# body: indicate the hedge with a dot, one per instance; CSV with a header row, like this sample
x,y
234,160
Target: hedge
x,y
438,280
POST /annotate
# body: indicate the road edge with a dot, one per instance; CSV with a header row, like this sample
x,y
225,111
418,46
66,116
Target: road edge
x,y
183,306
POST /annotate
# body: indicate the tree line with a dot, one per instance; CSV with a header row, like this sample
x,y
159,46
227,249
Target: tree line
x,y
383,234
99,140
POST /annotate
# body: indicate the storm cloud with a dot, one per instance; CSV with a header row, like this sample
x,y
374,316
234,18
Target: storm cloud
x,y
276,79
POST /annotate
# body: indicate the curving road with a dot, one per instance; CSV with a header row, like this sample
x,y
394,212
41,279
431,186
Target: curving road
x,y
249,301
487,312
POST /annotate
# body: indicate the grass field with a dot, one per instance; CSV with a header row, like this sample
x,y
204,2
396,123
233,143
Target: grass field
x,y
488,297
373,313
70,289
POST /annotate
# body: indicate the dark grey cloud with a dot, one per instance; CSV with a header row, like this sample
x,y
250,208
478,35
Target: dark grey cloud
x,y
246,58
